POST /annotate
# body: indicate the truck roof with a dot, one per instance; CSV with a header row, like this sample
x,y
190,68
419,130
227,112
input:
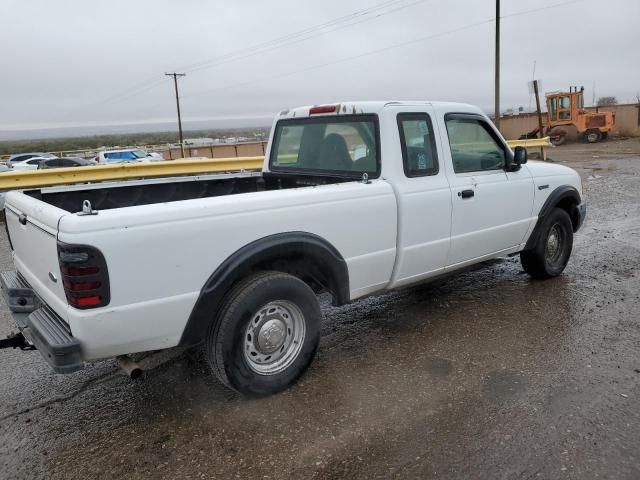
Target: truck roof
x,y
349,108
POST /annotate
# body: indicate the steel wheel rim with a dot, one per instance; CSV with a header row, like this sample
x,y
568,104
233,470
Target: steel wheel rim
x,y
592,137
274,337
555,244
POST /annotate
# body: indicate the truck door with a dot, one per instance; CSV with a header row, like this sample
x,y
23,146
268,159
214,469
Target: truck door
x,y
491,209
422,189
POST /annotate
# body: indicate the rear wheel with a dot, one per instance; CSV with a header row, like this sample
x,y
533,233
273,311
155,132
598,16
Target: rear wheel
x,y
550,255
593,136
266,334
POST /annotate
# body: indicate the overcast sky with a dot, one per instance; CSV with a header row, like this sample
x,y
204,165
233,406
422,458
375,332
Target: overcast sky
x,y
91,62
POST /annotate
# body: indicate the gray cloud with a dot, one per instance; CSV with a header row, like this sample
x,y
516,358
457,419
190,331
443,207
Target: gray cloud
x,y
71,63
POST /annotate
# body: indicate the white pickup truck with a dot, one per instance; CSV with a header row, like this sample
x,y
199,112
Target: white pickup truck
x,y
354,199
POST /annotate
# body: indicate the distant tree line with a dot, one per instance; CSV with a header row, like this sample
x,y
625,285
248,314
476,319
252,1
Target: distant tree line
x,y
604,101
94,142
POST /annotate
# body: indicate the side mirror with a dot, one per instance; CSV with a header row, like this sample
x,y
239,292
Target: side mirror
x,y
520,156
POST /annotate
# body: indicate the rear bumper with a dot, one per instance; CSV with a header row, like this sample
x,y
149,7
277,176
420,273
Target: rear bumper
x,y
40,325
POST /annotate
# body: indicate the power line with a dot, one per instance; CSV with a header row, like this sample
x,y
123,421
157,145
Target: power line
x,y
539,9
353,18
301,36
289,36
132,90
383,49
237,55
345,59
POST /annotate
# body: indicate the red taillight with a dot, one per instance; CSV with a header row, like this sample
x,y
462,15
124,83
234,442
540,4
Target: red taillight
x,y
80,287
93,301
85,277
323,109
79,271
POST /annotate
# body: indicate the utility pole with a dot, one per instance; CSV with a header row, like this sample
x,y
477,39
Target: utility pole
x,y
497,66
543,155
175,83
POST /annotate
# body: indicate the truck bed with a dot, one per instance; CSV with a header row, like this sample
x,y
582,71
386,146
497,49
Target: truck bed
x,y
106,196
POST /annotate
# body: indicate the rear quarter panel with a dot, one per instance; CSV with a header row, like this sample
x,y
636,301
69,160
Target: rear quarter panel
x,y
160,256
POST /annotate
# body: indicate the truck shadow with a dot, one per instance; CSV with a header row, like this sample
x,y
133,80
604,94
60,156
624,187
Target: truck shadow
x,y
389,326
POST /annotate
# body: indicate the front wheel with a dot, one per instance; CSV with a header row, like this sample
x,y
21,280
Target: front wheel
x,y
557,136
265,335
550,254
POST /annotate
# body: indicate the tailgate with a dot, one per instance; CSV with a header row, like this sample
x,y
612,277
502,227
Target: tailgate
x,y
33,229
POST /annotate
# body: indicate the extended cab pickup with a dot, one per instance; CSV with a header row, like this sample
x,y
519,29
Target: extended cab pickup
x,y
354,199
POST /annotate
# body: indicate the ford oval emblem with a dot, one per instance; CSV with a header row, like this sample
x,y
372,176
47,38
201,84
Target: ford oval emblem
x,y
53,277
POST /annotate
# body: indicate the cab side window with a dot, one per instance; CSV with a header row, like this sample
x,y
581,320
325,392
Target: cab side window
x,y
553,111
419,154
474,147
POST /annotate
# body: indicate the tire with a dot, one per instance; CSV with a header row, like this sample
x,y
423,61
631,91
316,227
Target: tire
x,y
557,136
548,257
592,136
265,335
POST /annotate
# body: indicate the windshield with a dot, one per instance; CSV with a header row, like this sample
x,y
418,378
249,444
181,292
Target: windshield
x,y
342,145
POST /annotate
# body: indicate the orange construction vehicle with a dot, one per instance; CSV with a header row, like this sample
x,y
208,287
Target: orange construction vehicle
x,y
565,110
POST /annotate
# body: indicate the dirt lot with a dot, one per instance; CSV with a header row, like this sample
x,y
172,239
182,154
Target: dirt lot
x,y
484,375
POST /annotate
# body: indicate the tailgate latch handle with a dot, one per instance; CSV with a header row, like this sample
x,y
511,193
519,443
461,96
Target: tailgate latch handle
x,y
22,218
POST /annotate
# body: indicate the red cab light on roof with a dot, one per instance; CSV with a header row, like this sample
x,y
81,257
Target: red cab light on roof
x,y
323,109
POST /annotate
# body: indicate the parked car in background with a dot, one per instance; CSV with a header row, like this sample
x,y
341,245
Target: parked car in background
x,y
65,162
28,164
127,155
22,157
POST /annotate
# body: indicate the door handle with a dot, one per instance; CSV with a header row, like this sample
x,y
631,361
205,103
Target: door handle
x,y
466,194
22,219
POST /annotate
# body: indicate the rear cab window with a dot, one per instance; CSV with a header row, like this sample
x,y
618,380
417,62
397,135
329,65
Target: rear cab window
x,y
340,145
419,153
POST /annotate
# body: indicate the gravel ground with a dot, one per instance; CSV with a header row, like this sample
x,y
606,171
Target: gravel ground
x,y
484,375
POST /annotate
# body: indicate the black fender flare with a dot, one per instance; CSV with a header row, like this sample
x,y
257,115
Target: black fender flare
x,y
323,260
560,194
